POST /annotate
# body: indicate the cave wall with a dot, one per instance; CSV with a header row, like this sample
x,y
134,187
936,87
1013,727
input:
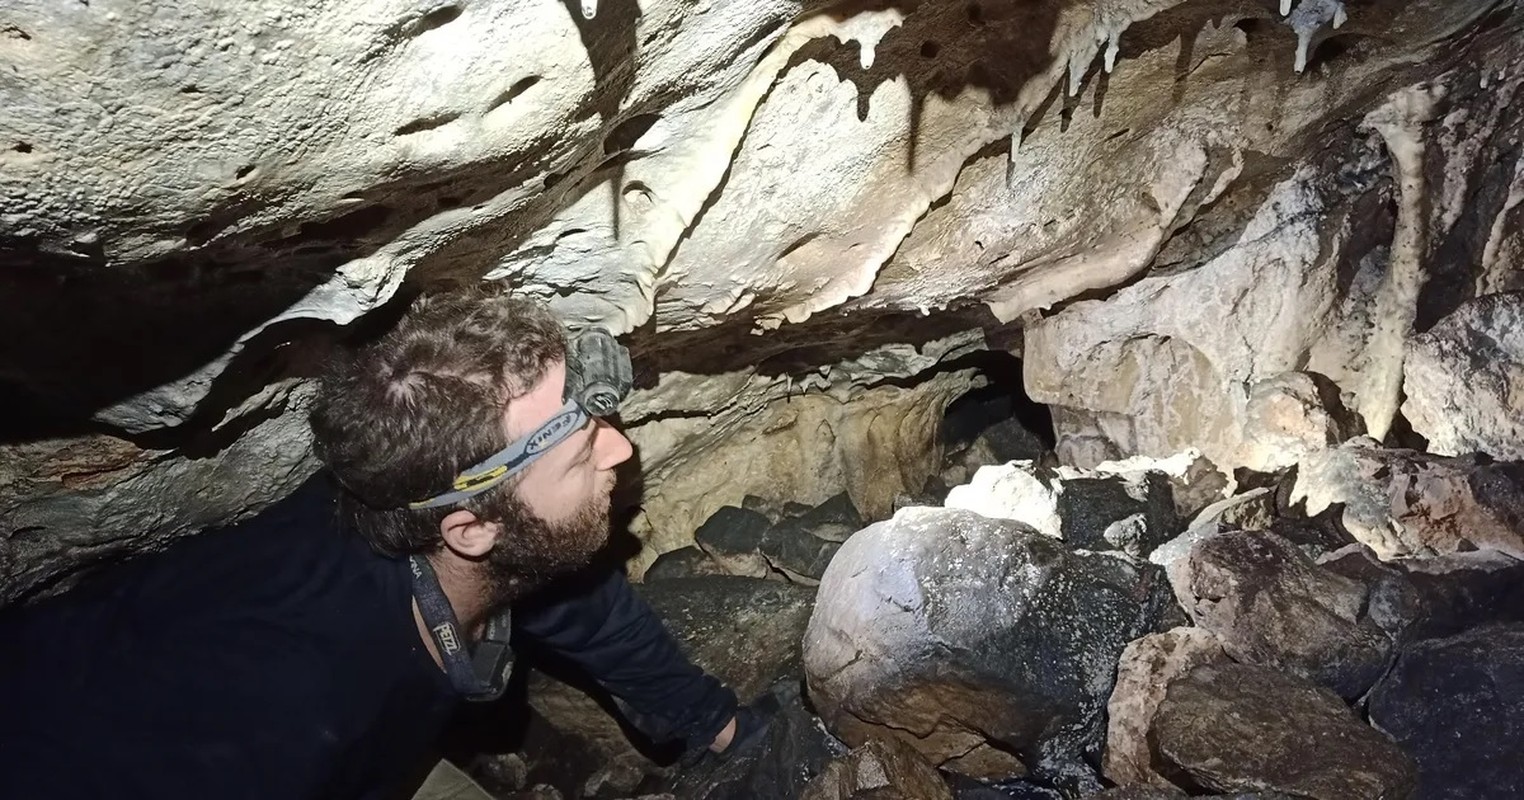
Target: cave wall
x,y
786,205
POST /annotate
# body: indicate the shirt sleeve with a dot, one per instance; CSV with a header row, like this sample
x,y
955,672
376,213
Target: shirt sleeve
x,y
604,628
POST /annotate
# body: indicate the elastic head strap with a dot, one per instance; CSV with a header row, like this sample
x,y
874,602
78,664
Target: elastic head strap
x,y
512,459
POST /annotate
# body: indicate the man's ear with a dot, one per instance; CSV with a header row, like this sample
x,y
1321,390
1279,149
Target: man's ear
x,y
467,535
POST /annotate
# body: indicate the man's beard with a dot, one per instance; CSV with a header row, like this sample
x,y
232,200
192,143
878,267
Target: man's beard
x,y
532,552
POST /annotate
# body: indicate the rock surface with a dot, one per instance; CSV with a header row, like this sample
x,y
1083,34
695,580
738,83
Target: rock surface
x,y
1402,502
1147,667
1270,605
882,769
1464,379
953,630
767,195
1457,705
1240,728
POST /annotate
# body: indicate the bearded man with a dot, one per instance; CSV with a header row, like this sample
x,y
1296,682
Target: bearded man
x,y
318,650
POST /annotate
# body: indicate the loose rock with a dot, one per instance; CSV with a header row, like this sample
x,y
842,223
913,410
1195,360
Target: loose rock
x,y
1242,728
1147,668
1406,503
1457,705
882,769
1270,605
952,629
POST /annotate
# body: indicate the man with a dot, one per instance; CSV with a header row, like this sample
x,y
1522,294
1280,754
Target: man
x,y
295,658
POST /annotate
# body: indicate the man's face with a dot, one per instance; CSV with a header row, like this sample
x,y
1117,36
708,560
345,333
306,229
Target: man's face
x,y
566,490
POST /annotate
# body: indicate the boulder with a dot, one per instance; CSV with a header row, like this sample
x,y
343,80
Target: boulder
x,y
1457,705
732,536
882,769
790,548
1242,728
1270,605
1464,379
1153,793
1147,668
1407,503
952,630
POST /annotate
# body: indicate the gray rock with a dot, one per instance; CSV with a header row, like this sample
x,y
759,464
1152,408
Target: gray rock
x,y
684,562
1242,728
1270,605
732,536
792,549
1457,705
1463,590
1464,377
1407,503
956,630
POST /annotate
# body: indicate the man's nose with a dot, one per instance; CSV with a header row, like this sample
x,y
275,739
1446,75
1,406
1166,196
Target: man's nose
x,y
611,448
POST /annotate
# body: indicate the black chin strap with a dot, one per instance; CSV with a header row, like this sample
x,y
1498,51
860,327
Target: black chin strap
x,y
481,674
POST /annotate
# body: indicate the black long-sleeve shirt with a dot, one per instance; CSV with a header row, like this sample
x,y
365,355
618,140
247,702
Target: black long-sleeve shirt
x,y
278,660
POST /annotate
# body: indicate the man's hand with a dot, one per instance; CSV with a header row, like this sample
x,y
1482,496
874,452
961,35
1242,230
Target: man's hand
x,y
722,740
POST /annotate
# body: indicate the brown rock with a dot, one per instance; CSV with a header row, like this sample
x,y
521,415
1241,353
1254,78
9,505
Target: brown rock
x,y
1270,605
1236,727
1147,668
882,769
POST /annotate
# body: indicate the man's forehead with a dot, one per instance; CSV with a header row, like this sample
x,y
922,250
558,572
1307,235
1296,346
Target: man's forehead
x,y
526,413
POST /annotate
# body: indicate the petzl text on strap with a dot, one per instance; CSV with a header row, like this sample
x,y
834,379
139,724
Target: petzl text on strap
x,y
481,674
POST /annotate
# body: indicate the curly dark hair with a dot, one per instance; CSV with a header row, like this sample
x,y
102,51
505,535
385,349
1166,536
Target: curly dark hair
x,y
397,419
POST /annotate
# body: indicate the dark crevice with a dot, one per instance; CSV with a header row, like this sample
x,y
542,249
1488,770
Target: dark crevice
x,y
426,124
513,92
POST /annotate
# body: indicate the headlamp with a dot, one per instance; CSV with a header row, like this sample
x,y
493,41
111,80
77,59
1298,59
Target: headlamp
x,y
598,378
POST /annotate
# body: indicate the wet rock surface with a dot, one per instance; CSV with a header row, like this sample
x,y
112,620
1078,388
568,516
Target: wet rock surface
x,y
1457,705
1241,728
952,630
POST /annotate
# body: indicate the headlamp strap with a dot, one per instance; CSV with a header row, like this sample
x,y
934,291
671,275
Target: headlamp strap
x,y
478,675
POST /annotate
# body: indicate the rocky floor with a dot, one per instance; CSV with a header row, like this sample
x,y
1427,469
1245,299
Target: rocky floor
x,y
1349,628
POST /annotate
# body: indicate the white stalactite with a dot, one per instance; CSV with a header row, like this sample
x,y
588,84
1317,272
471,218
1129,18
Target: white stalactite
x,y
589,9
1308,19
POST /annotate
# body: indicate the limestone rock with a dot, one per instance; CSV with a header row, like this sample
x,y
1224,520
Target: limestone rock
x,y
1401,502
1242,728
1146,669
1464,379
951,629
1016,491
1270,605
1153,793
1292,415
1457,705
881,769
67,505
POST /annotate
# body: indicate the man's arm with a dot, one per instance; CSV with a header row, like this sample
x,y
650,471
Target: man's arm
x,y
602,626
